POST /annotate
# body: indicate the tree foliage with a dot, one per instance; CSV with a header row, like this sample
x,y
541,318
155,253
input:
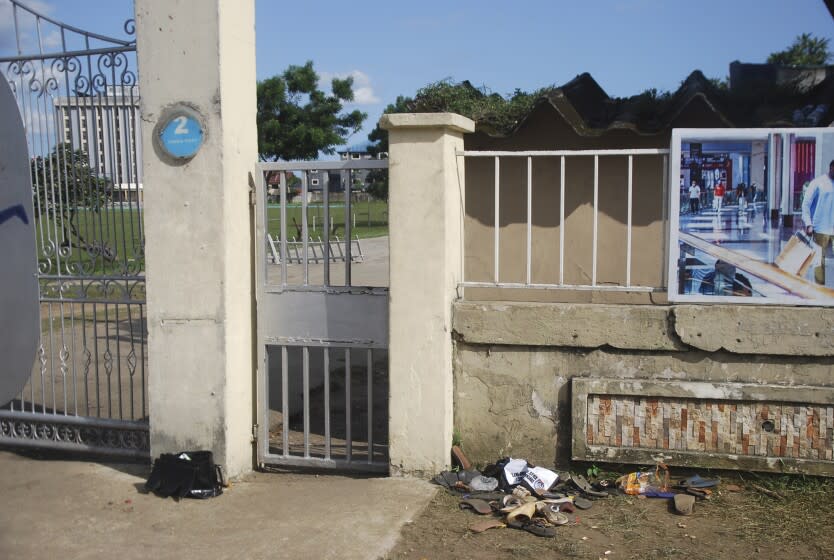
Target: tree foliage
x,y
377,184
64,186
297,120
490,111
806,50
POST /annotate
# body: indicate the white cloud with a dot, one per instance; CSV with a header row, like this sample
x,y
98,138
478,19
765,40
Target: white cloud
x,y
363,91
26,27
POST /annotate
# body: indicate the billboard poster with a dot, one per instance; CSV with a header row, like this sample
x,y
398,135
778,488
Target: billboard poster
x,y
752,216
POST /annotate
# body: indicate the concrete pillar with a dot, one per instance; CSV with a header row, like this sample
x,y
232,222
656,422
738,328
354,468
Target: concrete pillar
x,y
426,188
197,227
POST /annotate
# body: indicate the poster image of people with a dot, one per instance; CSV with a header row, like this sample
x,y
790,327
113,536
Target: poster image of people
x,y
753,218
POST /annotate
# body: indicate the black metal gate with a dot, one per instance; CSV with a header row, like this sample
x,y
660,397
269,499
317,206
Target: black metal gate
x,y
78,97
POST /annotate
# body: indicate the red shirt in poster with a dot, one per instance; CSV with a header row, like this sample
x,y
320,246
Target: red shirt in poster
x,y
719,190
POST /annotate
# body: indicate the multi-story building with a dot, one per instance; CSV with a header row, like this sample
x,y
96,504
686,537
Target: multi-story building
x,y
359,177
106,128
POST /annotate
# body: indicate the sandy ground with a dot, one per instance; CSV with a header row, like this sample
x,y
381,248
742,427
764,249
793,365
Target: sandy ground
x,y
730,526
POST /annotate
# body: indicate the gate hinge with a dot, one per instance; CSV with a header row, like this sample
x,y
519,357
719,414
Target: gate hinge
x,y
251,190
254,433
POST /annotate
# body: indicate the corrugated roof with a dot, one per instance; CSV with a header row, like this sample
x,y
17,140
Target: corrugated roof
x,y
585,105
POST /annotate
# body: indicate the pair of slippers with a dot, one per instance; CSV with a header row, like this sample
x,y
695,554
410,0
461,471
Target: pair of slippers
x,y
582,484
697,486
537,526
697,482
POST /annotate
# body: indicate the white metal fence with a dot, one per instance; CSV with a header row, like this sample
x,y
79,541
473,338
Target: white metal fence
x,y
564,158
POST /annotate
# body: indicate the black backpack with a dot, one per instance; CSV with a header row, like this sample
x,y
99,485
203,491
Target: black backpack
x,y
189,474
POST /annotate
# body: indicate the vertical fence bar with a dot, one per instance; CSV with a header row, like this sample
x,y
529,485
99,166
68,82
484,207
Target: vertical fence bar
x,y
305,235
497,222
348,434
596,220
96,354
628,228
142,347
326,402
665,217
370,364
529,219
285,401
51,359
283,227
305,359
325,188
562,222
348,248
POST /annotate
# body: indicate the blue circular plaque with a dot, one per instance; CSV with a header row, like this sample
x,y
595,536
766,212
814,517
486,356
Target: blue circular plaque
x,y
181,135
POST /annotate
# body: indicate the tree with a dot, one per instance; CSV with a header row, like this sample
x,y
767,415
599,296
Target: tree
x,y
490,111
65,186
296,120
806,50
377,181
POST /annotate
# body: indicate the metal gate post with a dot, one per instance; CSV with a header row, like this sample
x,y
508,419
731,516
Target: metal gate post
x,y
426,267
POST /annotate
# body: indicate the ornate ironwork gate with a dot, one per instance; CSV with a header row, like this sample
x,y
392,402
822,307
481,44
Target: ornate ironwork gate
x,y
78,97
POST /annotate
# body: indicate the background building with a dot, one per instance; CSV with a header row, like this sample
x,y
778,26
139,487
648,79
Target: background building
x,y
106,128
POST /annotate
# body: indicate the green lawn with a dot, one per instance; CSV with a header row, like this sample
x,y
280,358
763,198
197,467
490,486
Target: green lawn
x,y
370,219
113,235
113,238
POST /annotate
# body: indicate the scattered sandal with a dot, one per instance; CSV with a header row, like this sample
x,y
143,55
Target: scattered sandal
x,y
567,507
478,506
552,513
486,524
522,513
582,503
510,502
538,527
700,493
695,481
580,482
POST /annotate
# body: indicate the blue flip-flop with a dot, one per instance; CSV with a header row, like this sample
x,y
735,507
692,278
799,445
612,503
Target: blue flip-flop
x,y
696,481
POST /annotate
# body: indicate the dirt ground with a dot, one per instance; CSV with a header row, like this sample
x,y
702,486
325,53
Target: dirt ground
x,y
730,525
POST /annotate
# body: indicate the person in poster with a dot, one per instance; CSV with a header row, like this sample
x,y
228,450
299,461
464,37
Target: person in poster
x,y
694,198
818,215
720,191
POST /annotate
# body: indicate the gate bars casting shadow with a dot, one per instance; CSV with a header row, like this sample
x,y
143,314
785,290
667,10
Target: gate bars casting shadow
x,y
322,323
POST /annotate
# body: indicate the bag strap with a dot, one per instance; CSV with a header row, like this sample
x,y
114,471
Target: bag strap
x,y
218,476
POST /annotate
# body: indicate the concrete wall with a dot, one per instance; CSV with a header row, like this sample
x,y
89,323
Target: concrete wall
x,y
515,362
601,376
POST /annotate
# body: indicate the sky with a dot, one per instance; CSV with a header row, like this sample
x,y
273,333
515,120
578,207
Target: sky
x,y
393,48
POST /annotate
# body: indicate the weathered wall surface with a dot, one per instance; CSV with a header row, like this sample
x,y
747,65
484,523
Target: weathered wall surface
x,y
514,363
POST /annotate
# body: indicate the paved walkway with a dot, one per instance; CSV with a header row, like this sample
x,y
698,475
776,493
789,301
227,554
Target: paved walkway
x,y
85,510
